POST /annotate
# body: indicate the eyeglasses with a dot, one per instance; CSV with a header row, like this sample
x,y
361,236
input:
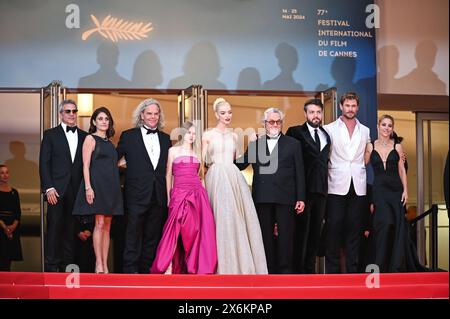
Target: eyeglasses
x,y
70,111
272,122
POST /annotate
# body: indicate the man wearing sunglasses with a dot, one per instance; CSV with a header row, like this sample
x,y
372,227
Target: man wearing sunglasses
x,y
278,189
61,170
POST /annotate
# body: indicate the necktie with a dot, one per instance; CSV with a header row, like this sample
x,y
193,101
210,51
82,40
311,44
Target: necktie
x,y
150,131
73,129
317,139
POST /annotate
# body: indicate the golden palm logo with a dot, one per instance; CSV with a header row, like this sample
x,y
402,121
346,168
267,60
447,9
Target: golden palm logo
x,y
115,29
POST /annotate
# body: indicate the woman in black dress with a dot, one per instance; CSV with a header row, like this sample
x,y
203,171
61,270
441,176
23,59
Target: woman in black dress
x,y
99,192
10,248
394,249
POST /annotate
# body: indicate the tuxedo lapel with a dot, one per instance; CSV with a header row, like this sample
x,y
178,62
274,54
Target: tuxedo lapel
x,y
326,135
161,147
141,144
79,145
308,137
61,136
326,147
277,147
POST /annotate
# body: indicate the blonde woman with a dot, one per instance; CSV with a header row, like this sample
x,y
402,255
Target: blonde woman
x,y
188,243
240,248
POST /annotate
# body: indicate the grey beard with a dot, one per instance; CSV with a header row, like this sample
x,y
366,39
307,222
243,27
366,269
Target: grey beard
x,y
273,135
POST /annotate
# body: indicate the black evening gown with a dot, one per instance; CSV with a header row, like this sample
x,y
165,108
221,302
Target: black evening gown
x,y
105,181
394,249
10,211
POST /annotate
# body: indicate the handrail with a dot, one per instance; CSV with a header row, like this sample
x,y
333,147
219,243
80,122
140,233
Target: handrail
x,y
433,233
433,209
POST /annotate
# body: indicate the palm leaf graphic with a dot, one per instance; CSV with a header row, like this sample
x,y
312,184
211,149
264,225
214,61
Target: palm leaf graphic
x,y
116,29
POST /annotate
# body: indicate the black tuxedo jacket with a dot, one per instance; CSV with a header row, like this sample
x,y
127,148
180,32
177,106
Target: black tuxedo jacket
x,y
278,177
316,163
55,163
140,177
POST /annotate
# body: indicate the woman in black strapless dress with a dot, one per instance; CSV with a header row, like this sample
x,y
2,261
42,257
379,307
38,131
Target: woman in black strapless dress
x,y
100,193
394,249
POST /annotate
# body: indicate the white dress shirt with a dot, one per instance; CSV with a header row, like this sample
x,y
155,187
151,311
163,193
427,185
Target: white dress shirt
x,y
347,158
151,142
272,142
72,139
322,137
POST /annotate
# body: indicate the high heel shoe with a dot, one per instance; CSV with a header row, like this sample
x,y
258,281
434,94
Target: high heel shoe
x,y
97,270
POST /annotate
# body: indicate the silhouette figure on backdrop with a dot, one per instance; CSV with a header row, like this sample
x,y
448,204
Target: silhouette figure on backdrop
x,y
106,76
147,71
24,173
388,58
287,61
201,65
249,79
423,75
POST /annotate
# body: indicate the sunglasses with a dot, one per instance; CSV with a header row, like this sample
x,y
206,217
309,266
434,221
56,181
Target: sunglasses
x,y
70,111
272,122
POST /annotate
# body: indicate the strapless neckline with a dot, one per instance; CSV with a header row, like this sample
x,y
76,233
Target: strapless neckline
x,y
177,159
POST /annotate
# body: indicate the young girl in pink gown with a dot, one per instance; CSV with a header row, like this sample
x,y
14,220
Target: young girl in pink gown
x,y
188,243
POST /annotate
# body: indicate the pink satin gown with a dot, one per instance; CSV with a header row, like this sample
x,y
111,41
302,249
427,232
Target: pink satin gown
x,y
189,235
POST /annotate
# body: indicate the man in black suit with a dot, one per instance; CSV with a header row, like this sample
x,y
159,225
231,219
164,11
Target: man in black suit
x,y
145,149
61,171
278,189
316,149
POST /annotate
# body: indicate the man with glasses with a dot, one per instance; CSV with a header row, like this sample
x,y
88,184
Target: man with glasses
x,y
61,171
278,189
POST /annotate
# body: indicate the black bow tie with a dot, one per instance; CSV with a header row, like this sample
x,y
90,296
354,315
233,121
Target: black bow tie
x,y
73,128
272,138
150,131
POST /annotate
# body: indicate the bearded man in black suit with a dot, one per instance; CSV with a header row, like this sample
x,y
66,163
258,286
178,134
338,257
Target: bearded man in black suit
x,y
316,149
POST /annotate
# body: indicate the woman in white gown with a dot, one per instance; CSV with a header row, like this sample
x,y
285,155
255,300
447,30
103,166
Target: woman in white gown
x,y
240,248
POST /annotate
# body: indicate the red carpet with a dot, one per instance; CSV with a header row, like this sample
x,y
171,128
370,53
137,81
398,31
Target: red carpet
x,y
391,286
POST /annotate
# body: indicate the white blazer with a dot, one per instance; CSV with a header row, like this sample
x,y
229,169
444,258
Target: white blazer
x,y
347,158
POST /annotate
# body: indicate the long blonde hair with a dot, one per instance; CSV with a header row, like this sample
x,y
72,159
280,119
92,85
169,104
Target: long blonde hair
x,y
196,147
